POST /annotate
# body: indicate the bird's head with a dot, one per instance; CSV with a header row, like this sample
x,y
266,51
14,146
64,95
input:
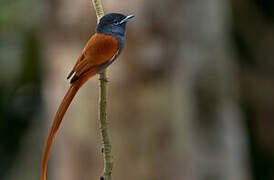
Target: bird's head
x,y
113,24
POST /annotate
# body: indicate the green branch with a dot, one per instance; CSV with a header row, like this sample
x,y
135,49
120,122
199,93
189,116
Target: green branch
x,y
106,150
98,9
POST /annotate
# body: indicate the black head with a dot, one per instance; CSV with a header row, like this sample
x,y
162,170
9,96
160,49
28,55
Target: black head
x,y
113,24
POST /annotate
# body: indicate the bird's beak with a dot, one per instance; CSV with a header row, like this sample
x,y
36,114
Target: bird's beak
x,y
126,18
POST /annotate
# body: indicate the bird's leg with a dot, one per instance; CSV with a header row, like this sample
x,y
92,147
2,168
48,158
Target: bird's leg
x,y
103,78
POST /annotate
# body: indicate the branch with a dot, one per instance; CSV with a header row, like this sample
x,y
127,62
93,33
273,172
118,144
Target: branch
x,y
98,9
106,150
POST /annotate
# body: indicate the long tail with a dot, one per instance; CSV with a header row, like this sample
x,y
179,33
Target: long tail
x,y
58,119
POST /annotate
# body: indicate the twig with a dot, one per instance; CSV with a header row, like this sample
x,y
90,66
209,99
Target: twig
x,y
108,159
98,9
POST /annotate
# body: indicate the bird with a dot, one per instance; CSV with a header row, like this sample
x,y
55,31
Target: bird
x,y
102,49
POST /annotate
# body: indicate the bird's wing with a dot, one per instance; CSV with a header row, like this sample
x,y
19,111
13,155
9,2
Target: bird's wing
x,y
98,51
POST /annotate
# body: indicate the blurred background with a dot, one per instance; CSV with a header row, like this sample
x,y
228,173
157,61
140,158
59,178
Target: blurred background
x,y
190,98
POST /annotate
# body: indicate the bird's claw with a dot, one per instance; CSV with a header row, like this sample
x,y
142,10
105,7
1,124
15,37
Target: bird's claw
x,y
103,79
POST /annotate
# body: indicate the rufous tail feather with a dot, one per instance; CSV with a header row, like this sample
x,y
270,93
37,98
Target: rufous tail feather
x,y
58,119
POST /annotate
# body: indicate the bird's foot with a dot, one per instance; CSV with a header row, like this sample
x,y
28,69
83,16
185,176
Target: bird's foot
x,y
103,79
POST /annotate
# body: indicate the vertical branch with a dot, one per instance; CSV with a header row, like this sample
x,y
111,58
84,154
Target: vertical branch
x,y
108,161
98,9
106,150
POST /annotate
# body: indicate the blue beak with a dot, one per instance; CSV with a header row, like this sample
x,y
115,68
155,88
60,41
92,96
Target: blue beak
x,y
126,19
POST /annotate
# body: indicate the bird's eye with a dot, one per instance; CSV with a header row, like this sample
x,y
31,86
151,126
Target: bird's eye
x,y
116,22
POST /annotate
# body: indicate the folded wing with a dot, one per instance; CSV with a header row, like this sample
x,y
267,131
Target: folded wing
x,y
99,50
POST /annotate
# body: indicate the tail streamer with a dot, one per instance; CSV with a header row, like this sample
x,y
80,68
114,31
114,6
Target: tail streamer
x,y
74,87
